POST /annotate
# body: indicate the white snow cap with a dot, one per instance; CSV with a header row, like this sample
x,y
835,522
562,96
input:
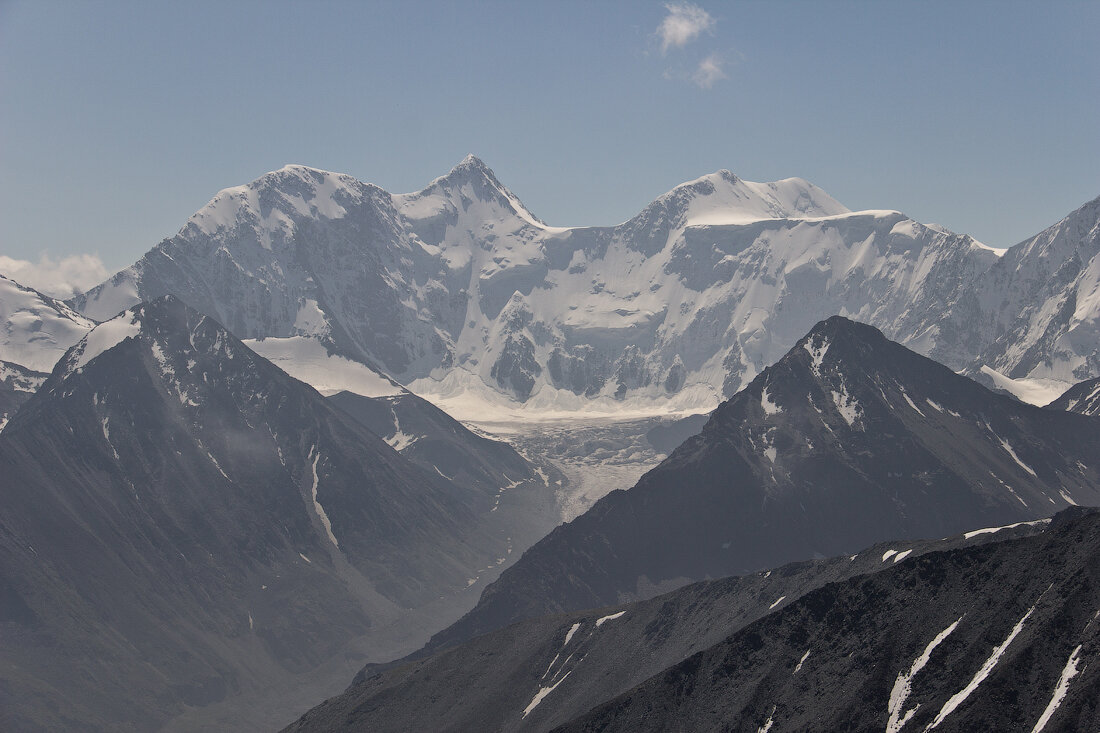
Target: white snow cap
x,y
104,337
721,198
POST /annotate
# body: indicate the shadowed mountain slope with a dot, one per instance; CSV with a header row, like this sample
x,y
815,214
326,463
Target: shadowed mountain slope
x,y
185,525
848,440
541,673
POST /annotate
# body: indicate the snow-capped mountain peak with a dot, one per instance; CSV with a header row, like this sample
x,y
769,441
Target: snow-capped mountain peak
x,y
1034,318
273,202
182,344
721,198
673,310
471,188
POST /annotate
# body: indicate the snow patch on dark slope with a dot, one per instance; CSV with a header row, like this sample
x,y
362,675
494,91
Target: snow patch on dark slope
x,y
859,440
1083,397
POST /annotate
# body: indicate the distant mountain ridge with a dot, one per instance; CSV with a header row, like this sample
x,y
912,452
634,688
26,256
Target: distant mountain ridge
x,y
1036,312
461,293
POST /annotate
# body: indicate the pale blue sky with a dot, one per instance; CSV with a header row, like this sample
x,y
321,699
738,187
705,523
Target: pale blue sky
x,y
118,119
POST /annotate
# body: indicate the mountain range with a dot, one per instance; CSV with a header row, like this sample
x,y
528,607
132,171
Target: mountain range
x,y
214,526
462,294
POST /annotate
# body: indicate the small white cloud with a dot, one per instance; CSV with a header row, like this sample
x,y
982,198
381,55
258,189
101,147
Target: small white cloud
x,y
710,70
62,278
684,23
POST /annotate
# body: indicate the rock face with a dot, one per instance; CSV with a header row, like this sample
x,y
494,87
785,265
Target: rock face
x,y
186,526
1083,397
525,493
459,291
591,657
17,384
848,440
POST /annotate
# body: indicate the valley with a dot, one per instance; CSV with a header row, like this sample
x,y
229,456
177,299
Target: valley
x,y
597,455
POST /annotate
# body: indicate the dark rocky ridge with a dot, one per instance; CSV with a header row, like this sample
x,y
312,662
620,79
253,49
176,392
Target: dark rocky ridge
x,y
488,682
1083,397
834,659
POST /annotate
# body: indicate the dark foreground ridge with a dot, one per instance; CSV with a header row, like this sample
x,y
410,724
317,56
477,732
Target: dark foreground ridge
x,y
1003,637
815,645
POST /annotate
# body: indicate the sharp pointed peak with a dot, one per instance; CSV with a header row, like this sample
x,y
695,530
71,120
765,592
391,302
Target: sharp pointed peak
x,y
472,171
469,167
471,161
